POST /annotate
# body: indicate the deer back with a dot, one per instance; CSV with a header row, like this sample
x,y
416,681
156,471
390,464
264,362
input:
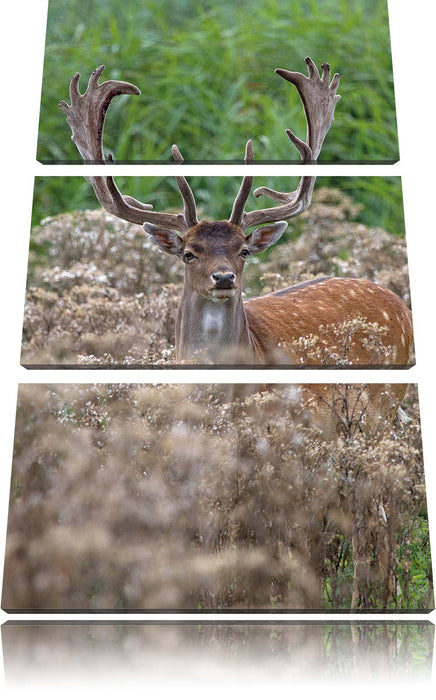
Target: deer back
x,y
332,321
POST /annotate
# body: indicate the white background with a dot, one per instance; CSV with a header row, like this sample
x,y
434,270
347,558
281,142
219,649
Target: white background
x,y
413,36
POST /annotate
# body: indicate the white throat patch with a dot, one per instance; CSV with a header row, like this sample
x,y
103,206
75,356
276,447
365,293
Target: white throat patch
x,y
213,321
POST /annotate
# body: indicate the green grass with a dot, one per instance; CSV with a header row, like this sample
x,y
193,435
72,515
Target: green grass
x,y
381,197
206,72
414,568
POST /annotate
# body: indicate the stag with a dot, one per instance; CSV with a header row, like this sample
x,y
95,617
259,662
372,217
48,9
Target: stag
x,y
214,324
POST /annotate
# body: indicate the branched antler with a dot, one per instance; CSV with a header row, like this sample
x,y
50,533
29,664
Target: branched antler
x,y
87,112
86,116
319,99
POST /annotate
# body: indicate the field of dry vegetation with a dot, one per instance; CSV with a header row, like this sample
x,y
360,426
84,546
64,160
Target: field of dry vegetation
x,y
191,497
202,497
99,293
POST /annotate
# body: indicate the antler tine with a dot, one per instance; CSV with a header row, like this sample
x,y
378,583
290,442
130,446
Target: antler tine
x,y
237,214
130,209
86,116
294,204
319,99
190,208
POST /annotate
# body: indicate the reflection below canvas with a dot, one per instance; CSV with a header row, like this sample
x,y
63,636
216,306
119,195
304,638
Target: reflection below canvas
x,y
37,654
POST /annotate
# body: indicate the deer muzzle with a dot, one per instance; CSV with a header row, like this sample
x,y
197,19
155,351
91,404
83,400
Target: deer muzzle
x,y
223,280
223,285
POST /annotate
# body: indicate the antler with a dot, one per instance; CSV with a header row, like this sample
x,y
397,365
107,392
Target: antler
x,y
86,116
319,99
245,189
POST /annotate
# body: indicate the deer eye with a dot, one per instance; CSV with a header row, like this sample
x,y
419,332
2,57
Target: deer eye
x,y
189,257
244,252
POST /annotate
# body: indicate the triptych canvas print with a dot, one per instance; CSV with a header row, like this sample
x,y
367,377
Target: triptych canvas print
x,y
219,495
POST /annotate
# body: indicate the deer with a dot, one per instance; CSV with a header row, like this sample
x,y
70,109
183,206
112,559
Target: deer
x,y
214,323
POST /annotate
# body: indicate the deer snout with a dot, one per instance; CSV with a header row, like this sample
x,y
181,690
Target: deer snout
x,y
223,280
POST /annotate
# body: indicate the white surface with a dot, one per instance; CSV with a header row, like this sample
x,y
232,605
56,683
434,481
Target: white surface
x,y
412,35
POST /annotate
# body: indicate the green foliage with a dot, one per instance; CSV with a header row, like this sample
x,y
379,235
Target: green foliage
x,y
380,197
415,568
415,584
206,71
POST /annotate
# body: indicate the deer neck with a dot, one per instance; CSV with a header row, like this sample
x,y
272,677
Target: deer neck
x,y
212,331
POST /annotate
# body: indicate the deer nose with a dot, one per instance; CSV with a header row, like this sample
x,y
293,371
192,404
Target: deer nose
x,y
223,280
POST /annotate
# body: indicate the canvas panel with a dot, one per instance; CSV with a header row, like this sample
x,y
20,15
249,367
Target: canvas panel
x,y
207,81
202,498
100,292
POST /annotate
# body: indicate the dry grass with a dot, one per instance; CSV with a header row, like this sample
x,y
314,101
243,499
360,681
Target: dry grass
x,y
191,498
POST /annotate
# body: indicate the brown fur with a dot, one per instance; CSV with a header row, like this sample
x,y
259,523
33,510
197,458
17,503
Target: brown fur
x,y
316,309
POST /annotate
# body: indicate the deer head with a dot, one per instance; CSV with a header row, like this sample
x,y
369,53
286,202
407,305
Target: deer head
x,y
214,253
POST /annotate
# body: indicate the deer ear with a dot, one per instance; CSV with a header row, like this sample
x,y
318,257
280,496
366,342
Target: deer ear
x,y
167,240
262,237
